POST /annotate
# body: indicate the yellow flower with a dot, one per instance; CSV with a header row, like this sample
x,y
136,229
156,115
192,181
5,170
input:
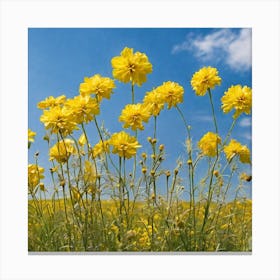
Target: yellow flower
x,y
35,174
31,135
208,144
234,148
57,119
100,148
171,93
51,101
155,101
124,144
206,78
90,173
82,108
238,98
82,140
102,87
62,150
131,67
133,116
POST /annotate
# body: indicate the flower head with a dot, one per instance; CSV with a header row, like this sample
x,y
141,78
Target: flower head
x,y
58,120
204,79
102,87
234,148
208,144
133,116
131,67
124,144
82,108
155,101
62,150
31,135
90,173
238,98
35,174
51,101
100,148
171,93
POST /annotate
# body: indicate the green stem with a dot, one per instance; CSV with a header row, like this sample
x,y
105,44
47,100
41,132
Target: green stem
x,y
213,111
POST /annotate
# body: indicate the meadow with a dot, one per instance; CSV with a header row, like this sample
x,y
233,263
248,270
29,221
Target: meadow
x,y
108,196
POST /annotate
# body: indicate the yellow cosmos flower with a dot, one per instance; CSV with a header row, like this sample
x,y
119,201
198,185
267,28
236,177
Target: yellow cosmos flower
x,y
208,144
51,101
82,108
100,148
238,98
90,173
102,87
133,116
62,150
204,79
155,101
58,119
131,67
171,93
234,148
31,135
124,144
35,174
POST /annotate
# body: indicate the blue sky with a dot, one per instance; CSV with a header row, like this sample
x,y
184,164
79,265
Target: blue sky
x,y
59,59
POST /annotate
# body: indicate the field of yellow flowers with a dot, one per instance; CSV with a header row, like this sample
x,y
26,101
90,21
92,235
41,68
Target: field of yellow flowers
x,y
105,195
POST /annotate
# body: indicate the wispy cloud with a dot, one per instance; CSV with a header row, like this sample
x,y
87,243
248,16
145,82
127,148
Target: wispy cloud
x,y
245,122
247,136
234,48
203,118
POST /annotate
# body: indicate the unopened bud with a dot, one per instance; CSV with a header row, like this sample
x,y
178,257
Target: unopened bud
x,y
154,141
62,183
153,172
176,171
167,173
144,170
189,162
161,147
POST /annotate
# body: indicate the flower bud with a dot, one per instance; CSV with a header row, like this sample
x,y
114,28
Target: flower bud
x,y
161,147
189,162
153,172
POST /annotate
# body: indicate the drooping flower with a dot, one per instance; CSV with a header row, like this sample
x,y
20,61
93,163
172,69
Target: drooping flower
x,y
234,148
82,108
171,93
31,135
133,116
131,67
58,120
124,144
62,150
238,98
155,101
51,101
208,144
102,87
100,148
204,79
35,174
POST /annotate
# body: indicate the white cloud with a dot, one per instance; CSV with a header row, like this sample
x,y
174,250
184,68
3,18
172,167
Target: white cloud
x,y
225,44
247,136
245,122
203,118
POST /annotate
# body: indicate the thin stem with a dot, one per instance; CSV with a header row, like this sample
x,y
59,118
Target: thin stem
x,y
213,111
132,93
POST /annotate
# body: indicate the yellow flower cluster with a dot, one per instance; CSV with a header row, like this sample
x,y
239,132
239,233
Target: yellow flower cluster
x,y
124,144
31,135
131,67
35,174
234,148
208,144
102,87
133,116
154,101
204,79
100,148
238,98
62,150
